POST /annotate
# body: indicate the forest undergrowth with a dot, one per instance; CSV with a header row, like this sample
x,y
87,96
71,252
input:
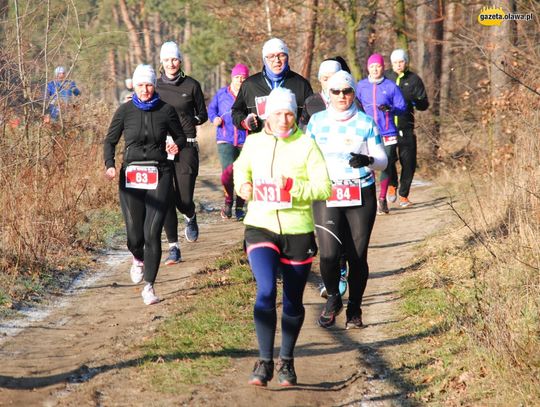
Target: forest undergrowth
x,y
477,283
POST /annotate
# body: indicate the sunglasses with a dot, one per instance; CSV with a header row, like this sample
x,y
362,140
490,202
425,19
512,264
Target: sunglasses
x,y
346,91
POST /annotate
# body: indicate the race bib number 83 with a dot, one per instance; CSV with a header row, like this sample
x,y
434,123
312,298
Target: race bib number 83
x,y
141,177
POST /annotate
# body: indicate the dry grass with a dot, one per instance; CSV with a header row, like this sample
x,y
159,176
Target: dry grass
x,y
479,282
52,183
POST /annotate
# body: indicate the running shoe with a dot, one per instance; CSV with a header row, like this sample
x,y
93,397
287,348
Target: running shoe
x,y
286,373
149,295
192,229
391,194
343,281
354,318
263,371
137,271
226,211
404,202
331,310
174,256
322,291
240,214
382,207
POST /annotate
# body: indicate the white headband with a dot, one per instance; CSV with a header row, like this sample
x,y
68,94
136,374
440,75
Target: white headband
x,y
280,99
144,74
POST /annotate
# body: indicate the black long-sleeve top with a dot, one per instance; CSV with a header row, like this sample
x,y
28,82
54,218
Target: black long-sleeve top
x,y
145,133
414,93
257,85
187,99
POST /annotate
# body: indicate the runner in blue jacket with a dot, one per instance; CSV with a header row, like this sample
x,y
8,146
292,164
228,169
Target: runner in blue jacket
x,y
229,138
382,100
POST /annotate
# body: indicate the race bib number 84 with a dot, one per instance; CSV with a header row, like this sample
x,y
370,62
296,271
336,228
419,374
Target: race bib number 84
x,y
141,177
267,192
345,192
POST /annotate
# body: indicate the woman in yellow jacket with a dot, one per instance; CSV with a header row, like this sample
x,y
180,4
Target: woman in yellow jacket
x,y
280,172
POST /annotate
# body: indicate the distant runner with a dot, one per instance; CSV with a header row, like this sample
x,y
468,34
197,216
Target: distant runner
x,y
229,138
60,92
415,95
382,100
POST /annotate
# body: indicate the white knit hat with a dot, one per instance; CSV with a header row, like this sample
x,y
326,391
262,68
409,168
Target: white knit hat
x,y
329,67
144,74
280,99
170,50
59,69
274,46
341,80
399,55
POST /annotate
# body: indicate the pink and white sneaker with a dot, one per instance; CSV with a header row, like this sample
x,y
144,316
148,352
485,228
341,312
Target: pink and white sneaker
x,y
137,271
149,295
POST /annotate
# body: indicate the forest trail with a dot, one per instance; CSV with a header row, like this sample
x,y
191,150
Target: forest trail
x,y
82,352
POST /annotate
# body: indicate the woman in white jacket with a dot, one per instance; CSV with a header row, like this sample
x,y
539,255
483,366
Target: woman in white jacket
x,y
352,148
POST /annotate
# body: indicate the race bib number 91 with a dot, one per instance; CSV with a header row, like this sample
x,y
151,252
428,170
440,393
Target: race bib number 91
x,y
345,192
141,177
267,192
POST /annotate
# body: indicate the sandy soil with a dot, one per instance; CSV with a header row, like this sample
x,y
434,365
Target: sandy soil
x,y
83,351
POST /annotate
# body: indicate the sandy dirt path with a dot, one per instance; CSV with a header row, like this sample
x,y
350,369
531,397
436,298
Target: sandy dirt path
x,y
84,352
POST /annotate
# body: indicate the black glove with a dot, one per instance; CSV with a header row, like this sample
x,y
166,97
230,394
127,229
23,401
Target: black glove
x,y
250,122
359,160
384,108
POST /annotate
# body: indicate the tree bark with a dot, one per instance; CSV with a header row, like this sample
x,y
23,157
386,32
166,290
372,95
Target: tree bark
x,y
432,63
447,56
366,36
399,25
112,86
156,24
309,44
148,49
133,36
187,36
499,48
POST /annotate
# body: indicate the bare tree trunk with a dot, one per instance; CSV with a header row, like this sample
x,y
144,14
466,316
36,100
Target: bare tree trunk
x,y
399,25
146,34
113,77
133,36
499,47
432,62
156,23
187,37
268,18
366,36
447,56
420,28
309,45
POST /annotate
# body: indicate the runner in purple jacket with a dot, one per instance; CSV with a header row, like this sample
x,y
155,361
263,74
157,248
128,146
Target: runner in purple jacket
x,y
382,100
229,138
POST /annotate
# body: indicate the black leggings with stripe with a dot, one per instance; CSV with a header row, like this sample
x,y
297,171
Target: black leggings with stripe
x,y
345,229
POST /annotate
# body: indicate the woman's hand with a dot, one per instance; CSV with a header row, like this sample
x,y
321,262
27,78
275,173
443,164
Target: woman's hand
x,y
171,148
280,181
246,191
217,121
110,173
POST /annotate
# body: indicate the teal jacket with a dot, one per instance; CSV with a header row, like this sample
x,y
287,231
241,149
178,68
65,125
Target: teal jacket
x,y
297,157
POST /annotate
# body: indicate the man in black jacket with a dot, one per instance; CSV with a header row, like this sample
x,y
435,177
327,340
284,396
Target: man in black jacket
x,y
248,109
415,95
